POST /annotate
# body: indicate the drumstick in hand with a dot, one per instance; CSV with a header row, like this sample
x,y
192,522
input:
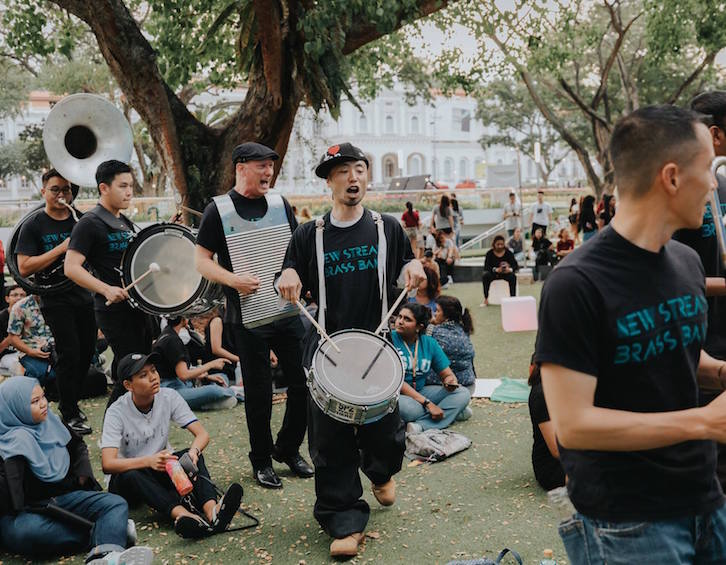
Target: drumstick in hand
x,y
153,268
384,321
318,327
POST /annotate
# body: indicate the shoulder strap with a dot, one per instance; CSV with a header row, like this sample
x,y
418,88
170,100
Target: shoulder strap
x,y
320,259
382,283
122,222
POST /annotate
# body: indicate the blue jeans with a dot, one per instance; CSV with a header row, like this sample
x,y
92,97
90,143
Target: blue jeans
x,y
450,402
38,369
693,540
198,397
37,535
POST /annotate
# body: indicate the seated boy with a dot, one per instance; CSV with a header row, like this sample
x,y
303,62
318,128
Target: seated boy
x,y
175,371
135,448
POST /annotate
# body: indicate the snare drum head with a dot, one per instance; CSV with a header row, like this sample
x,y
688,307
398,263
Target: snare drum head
x,y
341,374
177,284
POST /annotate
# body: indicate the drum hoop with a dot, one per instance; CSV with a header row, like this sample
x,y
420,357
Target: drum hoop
x,y
378,338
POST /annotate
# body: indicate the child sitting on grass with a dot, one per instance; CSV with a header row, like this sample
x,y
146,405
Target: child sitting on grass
x,y
135,448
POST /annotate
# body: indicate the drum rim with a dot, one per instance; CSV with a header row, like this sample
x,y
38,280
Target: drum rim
x,y
348,399
137,299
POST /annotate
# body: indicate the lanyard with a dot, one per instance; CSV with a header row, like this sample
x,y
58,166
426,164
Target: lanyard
x,y
414,357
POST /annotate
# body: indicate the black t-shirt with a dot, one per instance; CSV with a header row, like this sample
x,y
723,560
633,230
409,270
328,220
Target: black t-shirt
x,y
541,244
40,234
491,261
636,321
171,349
103,247
211,237
547,469
351,269
704,242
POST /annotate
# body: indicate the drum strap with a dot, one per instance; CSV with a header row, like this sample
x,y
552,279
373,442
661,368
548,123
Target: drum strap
x,y
320,258
120,223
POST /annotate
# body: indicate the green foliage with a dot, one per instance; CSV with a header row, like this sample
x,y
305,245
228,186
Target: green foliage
x,y
25,155
15,87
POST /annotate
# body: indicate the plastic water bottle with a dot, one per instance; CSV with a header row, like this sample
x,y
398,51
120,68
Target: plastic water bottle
x,y
548,558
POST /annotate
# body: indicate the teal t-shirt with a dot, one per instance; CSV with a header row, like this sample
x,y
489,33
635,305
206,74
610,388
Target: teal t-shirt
x,y
430,358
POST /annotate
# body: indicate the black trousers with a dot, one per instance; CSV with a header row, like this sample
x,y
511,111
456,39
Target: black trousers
x,y
337,451
253,347
535,226
488,277
444,270
127,330
155,489
74,332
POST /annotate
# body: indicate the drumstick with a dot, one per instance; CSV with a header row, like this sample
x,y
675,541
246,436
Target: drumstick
x,y
192,211
153,268
384,321
318,327
73,211
368,370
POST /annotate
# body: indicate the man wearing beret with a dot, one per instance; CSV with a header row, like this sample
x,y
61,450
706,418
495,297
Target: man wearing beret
x,y
248,212
353,298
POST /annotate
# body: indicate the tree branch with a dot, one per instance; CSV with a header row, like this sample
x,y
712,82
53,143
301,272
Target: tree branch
x,y
692,77
580,103
367,32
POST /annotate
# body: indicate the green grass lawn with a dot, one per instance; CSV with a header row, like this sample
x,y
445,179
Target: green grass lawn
x,y
476,503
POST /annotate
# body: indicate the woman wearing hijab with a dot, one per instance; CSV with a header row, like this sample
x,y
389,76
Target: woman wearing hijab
x,y
42,462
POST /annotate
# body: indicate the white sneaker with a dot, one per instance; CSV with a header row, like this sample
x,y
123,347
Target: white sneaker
x,y
464,415
413,428
131,536
139,555
449,281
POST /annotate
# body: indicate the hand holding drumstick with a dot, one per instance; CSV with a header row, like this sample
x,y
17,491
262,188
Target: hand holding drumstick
x,y
119,294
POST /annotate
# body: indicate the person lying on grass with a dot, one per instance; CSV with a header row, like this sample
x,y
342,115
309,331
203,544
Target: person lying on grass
x,y
135,449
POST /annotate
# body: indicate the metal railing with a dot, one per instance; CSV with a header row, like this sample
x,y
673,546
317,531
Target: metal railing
x,y
484,235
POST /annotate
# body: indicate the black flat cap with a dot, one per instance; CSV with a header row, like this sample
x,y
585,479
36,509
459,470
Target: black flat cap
x,y
251,151
337,154
133,363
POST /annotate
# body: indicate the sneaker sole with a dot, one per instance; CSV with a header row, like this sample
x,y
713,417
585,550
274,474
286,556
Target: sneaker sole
x,y
230,504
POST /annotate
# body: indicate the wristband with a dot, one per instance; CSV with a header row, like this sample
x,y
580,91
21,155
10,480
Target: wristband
x,y
426,403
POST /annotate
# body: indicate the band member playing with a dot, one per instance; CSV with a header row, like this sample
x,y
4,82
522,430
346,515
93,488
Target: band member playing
x,y
248,207
41,247
350,243
622,326
99,238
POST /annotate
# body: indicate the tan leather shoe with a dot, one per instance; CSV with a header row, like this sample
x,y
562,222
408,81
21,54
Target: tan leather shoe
x,y
386,493
347,546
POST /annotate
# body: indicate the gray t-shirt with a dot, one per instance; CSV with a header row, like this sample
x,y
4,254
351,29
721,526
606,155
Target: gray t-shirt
x,y
136,434
513,213
441,222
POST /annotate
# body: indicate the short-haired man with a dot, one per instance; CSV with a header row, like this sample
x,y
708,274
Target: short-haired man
x,y
703,241
100,238
512,214
622,325
350,244
263,221
40,249
541,213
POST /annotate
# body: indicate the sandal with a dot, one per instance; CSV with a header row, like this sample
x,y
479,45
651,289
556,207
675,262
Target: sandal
x,y
226,508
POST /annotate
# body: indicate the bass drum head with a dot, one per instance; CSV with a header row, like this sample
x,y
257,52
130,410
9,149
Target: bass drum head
x,y
177,285
341,374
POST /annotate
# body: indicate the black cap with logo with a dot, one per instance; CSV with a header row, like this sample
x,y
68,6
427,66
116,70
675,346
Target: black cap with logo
x,y
337,154
134,362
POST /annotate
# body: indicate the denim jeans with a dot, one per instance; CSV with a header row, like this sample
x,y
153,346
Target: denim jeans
x,y
38,369
199,397
694,540
37,535
450,402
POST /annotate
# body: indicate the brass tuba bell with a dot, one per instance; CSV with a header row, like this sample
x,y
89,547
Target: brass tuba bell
x,y
81,132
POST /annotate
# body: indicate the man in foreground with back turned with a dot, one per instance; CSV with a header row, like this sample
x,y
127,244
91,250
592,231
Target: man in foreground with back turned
x,y
622,324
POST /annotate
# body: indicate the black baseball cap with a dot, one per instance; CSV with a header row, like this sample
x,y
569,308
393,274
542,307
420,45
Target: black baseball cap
x,y
337,154
251,151
134,362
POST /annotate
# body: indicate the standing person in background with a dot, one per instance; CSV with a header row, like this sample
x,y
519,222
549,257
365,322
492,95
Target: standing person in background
x,y
588,221
442,217
512,214
574,218
541,213
305,215
458,220
445,255
412,227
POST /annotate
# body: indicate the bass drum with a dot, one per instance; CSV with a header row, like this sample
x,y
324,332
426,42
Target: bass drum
x,y
52,282
177,289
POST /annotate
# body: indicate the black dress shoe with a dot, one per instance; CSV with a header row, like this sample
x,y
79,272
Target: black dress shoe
x,y
266,477
77,425
297,464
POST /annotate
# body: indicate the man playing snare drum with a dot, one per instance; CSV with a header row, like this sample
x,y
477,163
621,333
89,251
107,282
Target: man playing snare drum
x,y
350,242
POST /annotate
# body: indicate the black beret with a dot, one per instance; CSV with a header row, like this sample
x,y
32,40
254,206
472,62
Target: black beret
x,y
251,151
337,154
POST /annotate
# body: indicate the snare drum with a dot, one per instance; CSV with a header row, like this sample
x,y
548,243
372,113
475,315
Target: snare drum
x,y
177,289
359,385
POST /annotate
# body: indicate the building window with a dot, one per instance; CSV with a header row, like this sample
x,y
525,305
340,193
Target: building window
x,y
389,124
390,167
2,138
448,168
463,169
462,119
414,124
24,183
362,124
414,165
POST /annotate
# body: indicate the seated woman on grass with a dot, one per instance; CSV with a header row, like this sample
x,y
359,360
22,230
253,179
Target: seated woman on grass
x,y
545,454
451,328
425,406
135,448
43,462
